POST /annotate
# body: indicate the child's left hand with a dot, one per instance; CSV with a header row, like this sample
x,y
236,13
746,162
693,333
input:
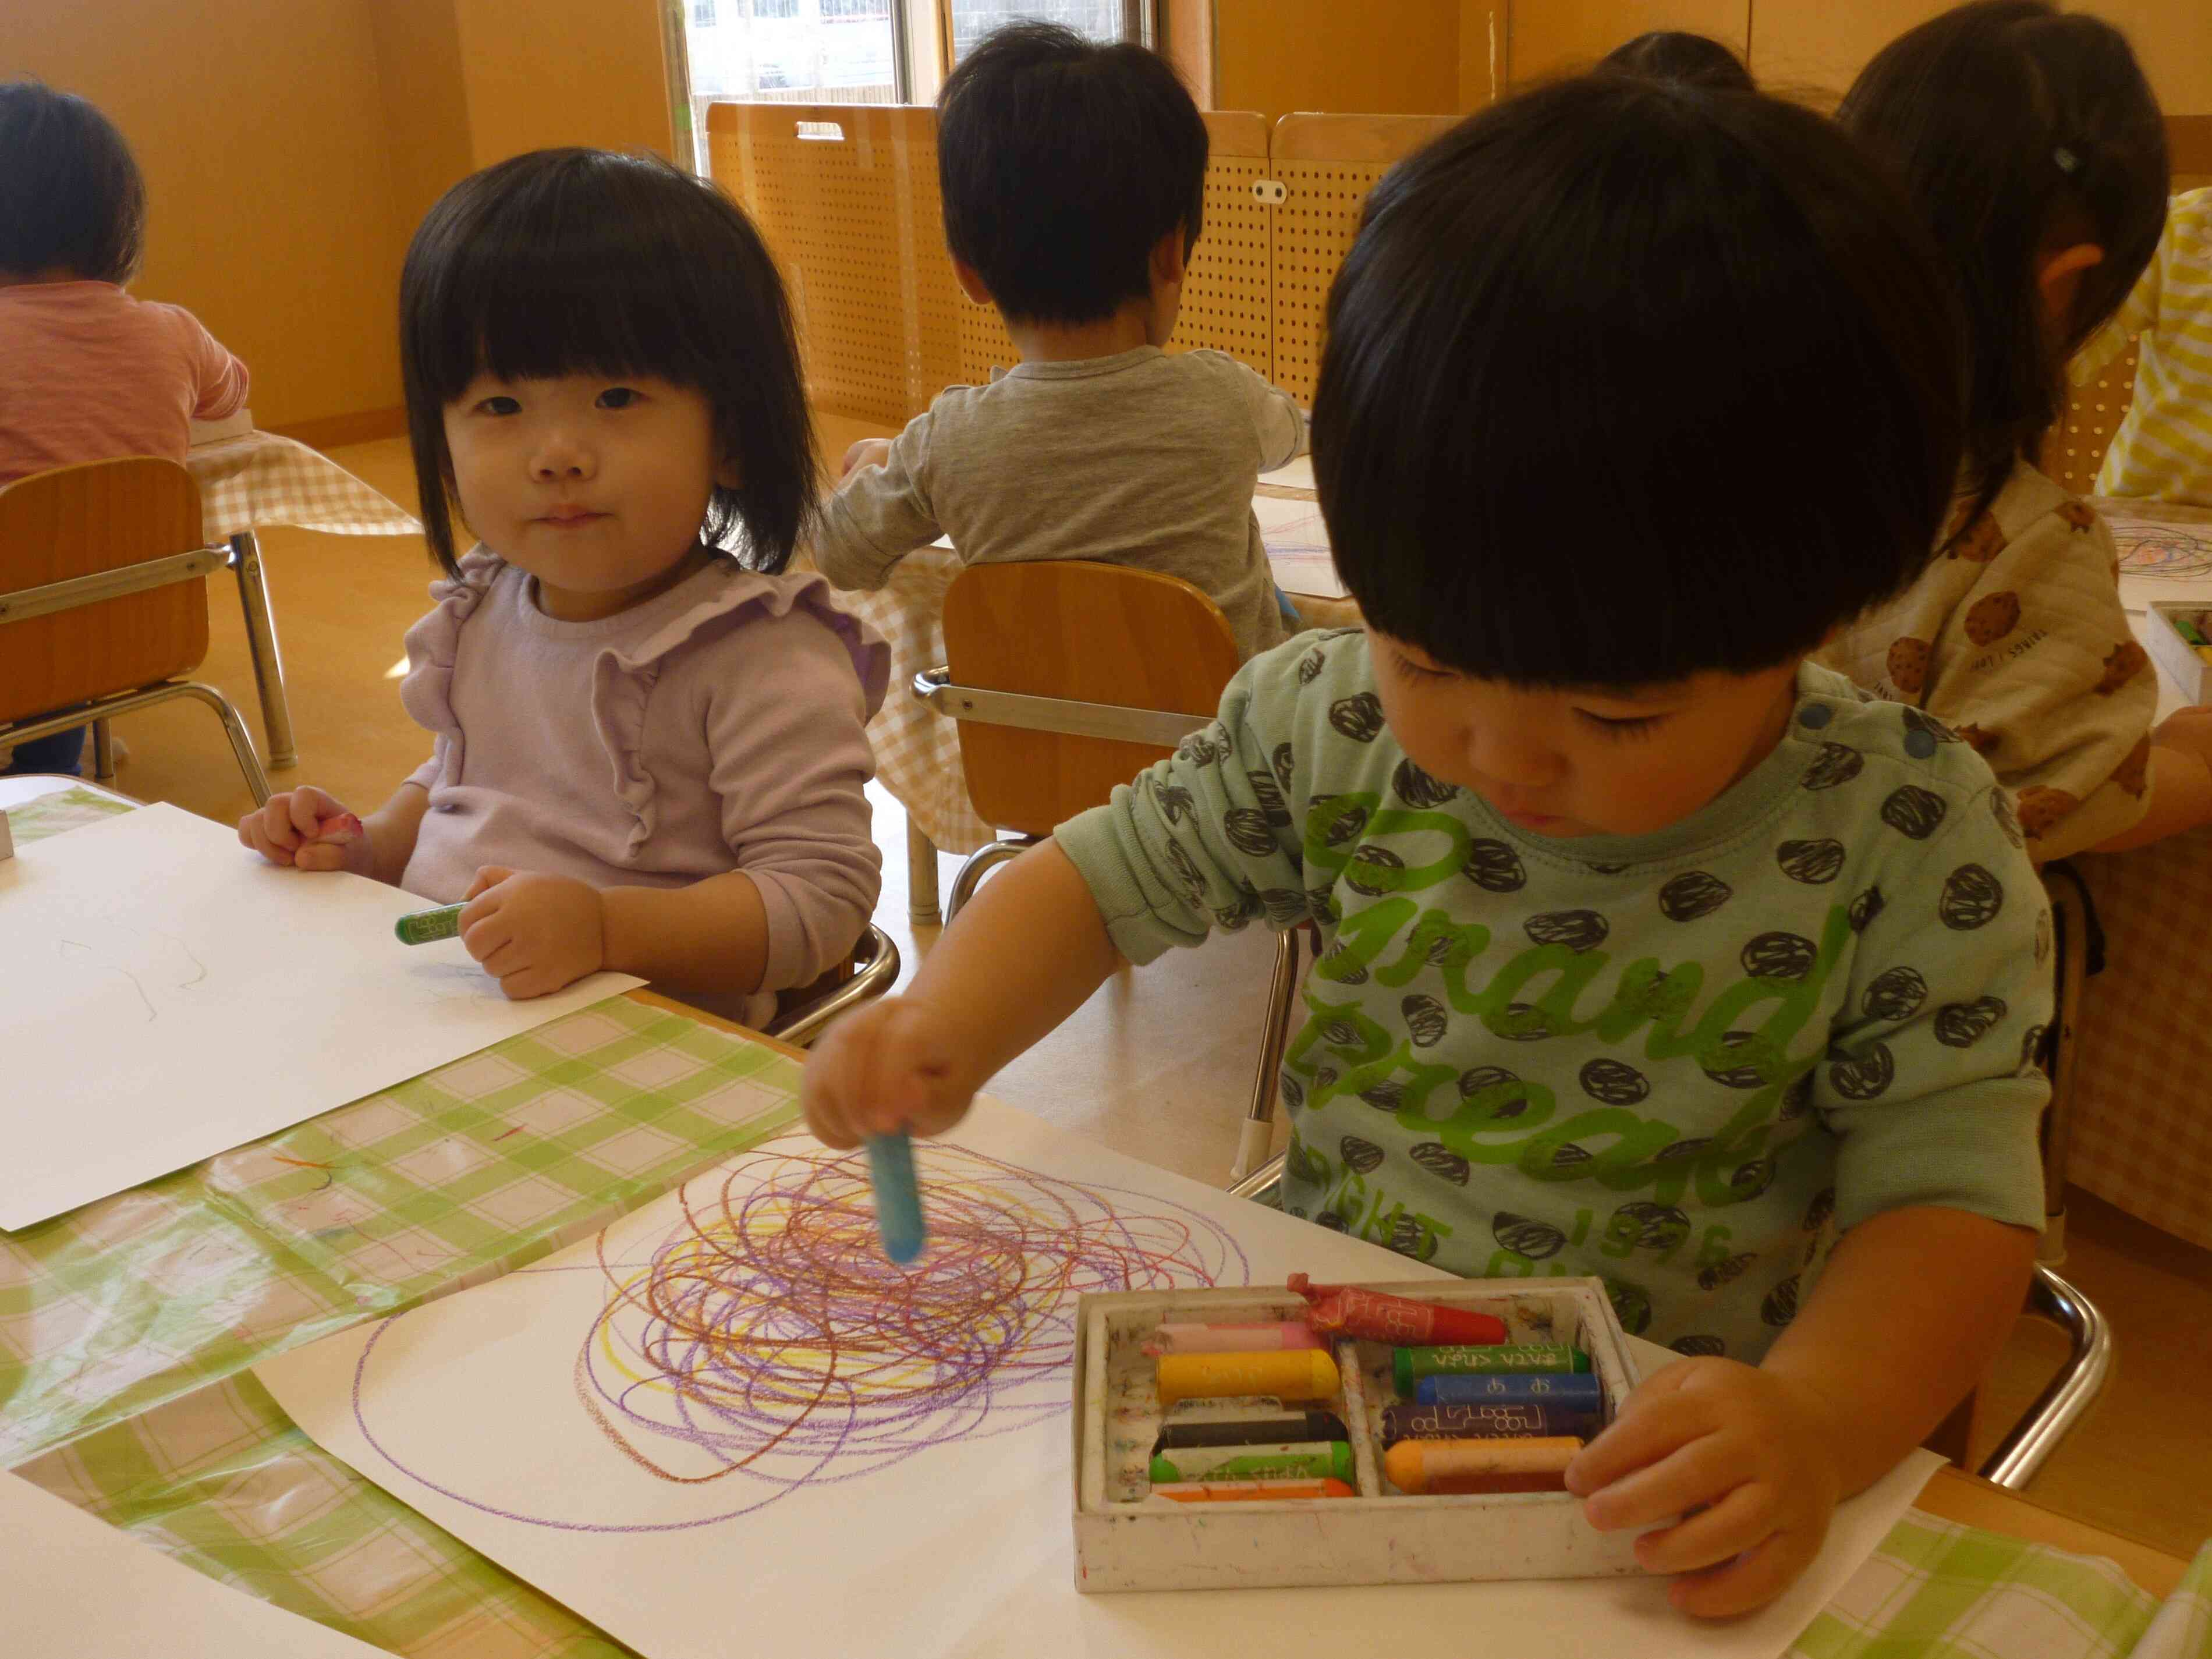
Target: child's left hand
x,y
865,452
533,934
1749,1450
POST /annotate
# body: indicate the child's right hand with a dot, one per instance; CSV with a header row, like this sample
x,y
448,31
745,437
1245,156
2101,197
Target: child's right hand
x,y
308,830
889,1064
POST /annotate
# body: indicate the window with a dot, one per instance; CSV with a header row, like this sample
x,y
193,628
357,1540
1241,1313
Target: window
x,y
789,52
1100,19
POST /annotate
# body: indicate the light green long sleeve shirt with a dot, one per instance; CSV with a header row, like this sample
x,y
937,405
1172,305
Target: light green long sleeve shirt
x,y
1684,1060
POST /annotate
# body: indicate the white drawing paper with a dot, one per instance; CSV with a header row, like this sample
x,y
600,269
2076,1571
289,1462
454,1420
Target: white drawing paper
x,y
1297,546
835,1461
71,1584
166,995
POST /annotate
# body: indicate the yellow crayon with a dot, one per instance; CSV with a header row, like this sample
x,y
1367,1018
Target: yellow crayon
x,y
1294,1374
1483,1465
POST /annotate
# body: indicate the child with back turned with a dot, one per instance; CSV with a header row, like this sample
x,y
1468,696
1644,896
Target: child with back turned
x,y
1074,178
86,373
2031,145
1650,948
649,751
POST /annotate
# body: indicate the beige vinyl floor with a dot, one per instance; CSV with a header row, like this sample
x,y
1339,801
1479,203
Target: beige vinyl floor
x,y
1160,1063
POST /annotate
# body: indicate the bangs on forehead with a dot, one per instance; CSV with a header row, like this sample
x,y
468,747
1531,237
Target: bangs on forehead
x,y
537,292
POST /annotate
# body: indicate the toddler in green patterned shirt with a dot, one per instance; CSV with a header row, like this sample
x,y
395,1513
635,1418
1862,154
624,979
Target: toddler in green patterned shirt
x,y
1650,950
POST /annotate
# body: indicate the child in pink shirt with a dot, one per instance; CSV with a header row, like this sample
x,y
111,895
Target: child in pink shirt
x,y
649,751
86,373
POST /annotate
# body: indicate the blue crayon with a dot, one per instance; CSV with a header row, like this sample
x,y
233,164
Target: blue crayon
x,y
898,1200
1574,1393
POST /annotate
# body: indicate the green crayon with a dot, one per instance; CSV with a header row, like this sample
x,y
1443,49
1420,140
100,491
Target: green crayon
x,y
427,926
1318,1459
1410,1366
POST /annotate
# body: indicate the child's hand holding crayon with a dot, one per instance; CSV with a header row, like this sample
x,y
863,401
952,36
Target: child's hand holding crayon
x,y
534,934
1743,1454
308,830
892,1065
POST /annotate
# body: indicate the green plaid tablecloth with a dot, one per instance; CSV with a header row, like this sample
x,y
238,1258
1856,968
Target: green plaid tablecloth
x,y
124,1328
446,1180
222,1480
64,809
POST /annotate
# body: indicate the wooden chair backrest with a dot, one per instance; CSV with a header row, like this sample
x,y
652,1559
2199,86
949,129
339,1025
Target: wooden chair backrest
x,y
2074,453
76,521
1089,633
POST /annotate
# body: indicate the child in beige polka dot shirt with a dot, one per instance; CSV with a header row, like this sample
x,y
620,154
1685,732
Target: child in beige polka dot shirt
x,y
2033,148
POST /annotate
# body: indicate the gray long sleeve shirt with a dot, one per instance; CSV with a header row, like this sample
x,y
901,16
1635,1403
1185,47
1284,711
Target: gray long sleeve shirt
x,y
1138,459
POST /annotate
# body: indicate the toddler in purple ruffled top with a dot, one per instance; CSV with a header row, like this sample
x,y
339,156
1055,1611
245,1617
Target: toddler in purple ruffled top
x,y
648,751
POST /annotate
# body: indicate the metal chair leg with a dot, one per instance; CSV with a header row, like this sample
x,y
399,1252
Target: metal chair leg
x,y
2067,1397
920,878
978,866
261,645
1282,998
103,752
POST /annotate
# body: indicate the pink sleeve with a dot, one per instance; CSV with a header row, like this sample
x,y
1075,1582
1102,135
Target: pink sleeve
x,y
220,381
791,757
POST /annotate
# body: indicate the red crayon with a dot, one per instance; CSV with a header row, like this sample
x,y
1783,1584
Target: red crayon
x,y
1347,1311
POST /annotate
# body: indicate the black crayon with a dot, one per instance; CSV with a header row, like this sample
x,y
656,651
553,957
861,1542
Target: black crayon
x,y
1294,1426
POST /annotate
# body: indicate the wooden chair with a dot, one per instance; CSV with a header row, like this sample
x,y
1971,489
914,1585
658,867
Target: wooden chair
x,y
1069,677
103,603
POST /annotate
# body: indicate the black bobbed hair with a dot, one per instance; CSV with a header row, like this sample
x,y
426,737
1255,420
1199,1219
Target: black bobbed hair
x,y
591,261
1627,380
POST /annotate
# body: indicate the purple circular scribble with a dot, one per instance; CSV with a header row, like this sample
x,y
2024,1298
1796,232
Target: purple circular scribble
x,y
767,1338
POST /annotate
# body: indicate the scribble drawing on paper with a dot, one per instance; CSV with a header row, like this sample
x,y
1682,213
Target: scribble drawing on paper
x,y
2148,549
170,964
766,1339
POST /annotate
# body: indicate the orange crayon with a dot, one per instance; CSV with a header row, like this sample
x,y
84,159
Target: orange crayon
x,y
1294,1374
1480,1466
1251,1492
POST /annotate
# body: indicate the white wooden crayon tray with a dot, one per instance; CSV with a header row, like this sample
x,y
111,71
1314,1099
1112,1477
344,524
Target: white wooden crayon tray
x,y
1126,1539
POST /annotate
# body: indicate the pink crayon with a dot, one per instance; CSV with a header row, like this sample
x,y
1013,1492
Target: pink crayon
x,y
1270,1337
341,829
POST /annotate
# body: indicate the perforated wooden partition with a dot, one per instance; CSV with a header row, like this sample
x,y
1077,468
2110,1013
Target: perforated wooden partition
x,y
848,199
1327,164
1225,302
845,196
2074,453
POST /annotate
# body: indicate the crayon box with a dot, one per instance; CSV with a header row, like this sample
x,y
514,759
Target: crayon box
x,y
2176,657
1127,1538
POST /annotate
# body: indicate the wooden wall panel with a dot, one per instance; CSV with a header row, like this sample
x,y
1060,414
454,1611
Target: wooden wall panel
x,y
1549,36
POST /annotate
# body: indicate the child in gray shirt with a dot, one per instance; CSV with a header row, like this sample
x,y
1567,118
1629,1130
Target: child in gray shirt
x,y
1073,181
